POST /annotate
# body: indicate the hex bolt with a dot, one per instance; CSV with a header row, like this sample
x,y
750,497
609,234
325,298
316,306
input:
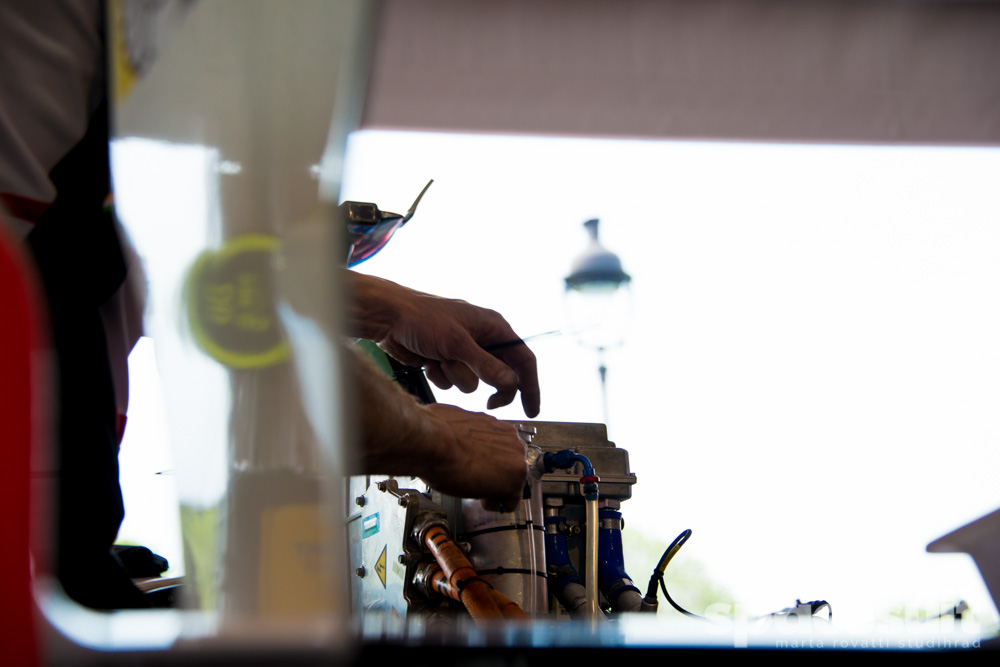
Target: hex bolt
x,y
360,501
404,500
360,572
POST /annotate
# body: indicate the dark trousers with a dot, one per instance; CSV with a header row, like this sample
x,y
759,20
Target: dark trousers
x,y
79,259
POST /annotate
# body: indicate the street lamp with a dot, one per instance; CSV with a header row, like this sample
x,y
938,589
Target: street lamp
x,y
598,308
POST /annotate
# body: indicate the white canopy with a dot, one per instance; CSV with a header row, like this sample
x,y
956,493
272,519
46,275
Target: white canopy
x,y
879,71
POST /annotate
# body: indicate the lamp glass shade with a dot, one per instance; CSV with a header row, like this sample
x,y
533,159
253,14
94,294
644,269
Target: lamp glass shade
x,y
599,316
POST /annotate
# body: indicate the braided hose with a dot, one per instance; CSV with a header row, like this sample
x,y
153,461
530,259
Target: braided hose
x,y
508,607
438,583
458,580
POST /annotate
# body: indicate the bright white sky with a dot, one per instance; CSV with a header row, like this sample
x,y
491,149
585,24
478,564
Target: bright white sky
x,y
811,377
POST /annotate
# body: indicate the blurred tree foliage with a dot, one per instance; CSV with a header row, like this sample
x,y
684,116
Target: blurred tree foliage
x,y
686,578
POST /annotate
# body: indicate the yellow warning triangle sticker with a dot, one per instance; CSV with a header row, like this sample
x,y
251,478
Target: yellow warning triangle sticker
x,y
380,567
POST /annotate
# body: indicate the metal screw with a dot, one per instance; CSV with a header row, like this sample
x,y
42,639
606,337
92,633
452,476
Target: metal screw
x,y
404,500
381,485
360,501
401,559
360,572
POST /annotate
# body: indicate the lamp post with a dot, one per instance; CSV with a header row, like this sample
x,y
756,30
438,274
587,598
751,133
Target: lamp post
x,y
598,307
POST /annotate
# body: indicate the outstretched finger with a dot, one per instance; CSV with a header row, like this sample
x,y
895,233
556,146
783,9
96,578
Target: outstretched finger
x,y
522,361
490,370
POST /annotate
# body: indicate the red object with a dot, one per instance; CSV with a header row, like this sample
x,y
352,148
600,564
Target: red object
x,y
120,421
20,338
23,207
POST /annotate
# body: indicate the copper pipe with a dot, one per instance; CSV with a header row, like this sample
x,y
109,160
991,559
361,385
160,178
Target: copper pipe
x,y
508,607
438,583
458,580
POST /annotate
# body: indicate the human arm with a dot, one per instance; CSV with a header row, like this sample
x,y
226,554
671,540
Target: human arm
x,y
446,336
460,453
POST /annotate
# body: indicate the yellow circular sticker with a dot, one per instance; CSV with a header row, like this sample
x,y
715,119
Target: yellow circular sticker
x,y
230,304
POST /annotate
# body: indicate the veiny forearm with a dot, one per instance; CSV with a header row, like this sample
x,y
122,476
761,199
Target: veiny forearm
x,y
464,454
373,305
395,433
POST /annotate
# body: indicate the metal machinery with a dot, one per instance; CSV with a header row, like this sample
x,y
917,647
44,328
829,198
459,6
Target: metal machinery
x,y
536,556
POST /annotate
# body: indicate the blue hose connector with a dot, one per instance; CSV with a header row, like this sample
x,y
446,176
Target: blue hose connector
x,y
611,576
567,458
560,569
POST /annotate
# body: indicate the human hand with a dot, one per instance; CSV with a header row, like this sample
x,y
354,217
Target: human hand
x,y
480,457
464,454
447,337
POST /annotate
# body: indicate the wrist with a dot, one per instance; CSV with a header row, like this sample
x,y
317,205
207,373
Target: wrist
x,y
432,442
373,304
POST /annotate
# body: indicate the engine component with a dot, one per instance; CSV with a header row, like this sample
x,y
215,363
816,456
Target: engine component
x,y
508,548
532,557
619,590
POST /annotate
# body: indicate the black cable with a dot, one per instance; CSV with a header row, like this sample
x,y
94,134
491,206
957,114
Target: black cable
x,y
663,587
672,550
660,569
